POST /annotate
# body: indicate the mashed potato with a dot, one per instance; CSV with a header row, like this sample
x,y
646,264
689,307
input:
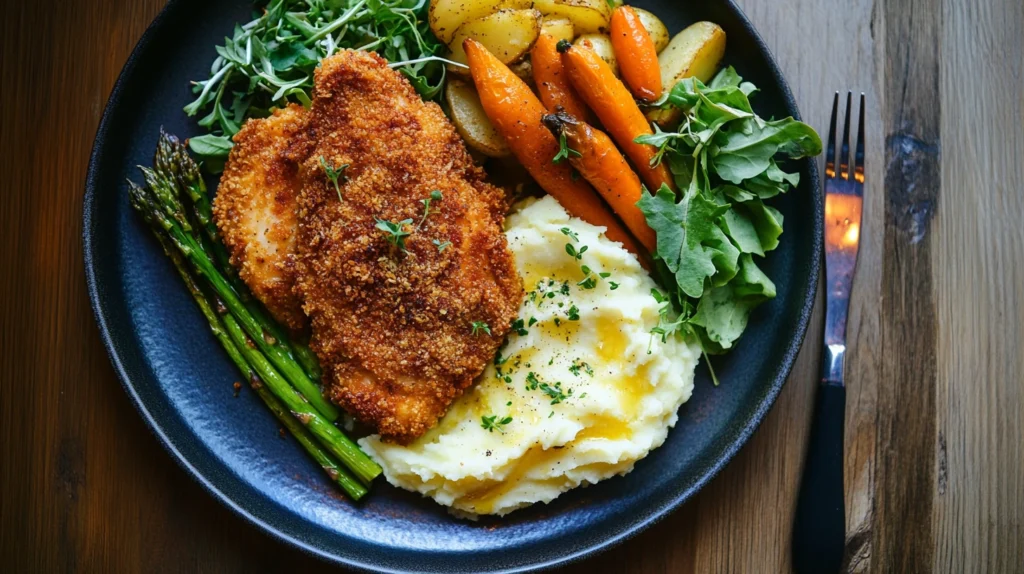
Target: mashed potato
x,y
579,393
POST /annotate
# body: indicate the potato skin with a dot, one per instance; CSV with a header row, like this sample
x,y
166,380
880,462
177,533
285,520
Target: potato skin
x,y
508,34
655,27
694,52
471,121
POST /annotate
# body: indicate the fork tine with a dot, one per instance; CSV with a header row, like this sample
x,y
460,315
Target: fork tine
x,y
858,157
830,149
844,154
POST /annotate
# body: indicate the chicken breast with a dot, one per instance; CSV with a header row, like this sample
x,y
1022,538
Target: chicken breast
x,y
405,272
255,210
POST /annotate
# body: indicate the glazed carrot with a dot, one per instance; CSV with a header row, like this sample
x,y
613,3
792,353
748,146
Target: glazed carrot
x,y
552,84
611,101
603,166
516,113
635,50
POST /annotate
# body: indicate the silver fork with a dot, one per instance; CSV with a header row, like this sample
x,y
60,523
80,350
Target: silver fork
x,y
819,528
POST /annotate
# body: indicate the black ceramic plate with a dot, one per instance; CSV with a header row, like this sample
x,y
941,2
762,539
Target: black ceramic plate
x,y
180,379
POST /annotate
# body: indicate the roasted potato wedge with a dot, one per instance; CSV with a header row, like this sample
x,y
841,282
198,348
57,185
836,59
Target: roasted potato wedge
x,y
655,27
558,26
470,120
508,34
601,44
587,16
445,16
694,52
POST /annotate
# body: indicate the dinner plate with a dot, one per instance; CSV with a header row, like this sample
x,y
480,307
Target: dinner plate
x,y
181,381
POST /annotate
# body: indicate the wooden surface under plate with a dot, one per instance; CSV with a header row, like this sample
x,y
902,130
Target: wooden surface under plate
x,y
935,410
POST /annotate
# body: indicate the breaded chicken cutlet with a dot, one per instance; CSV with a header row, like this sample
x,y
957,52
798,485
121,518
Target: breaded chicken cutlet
x,y
256,213
408,302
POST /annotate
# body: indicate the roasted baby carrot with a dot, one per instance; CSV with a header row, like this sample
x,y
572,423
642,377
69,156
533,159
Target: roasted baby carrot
x,y
637,56
595,82
516,113
600,163
552,83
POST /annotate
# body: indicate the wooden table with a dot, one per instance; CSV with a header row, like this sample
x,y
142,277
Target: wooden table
x,y
935,413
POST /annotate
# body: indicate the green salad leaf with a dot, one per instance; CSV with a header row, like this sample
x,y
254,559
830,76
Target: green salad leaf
x,y
269,61
724,159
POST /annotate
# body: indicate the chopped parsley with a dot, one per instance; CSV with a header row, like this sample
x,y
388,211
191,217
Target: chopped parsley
x,y
480,326
613,285
441,245
574,313
492,423
519,327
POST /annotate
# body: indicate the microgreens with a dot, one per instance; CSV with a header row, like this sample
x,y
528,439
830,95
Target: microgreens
x,y
395,233
333,173
480,327
434,196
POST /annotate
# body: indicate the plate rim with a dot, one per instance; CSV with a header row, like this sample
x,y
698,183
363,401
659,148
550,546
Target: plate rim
x,y
100,312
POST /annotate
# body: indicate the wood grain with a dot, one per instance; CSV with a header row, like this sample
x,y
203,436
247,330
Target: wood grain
x,y
935,409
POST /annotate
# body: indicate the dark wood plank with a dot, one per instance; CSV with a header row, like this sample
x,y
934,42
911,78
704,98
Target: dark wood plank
x,y
907,441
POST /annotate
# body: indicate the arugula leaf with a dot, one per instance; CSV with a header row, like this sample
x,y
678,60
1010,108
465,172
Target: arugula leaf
x,y
747,151
210,145
723,312
725,159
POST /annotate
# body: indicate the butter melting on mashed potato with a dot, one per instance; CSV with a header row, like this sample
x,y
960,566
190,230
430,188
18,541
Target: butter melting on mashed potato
x,y
574,397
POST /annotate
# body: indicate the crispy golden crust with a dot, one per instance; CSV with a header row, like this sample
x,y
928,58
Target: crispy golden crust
x,y
255,211
392,328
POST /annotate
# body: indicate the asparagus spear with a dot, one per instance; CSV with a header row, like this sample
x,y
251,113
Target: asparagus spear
x,y
333,439
338,474
173,162
162,193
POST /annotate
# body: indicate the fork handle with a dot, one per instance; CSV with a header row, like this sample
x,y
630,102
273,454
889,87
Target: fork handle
x,y
819,529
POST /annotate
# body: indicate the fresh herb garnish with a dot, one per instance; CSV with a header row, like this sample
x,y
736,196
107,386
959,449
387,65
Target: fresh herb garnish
x,y
492,423
723,157
441,245
578,366
576,254
434,196
564,151
480,327
519,327
570,234
395,233
554,391
333,173
574,313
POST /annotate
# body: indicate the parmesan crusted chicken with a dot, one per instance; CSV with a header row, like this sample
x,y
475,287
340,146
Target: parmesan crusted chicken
x,y
409,299
255,210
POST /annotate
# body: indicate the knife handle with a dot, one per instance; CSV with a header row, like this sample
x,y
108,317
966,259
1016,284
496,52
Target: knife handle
x,y
819,529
